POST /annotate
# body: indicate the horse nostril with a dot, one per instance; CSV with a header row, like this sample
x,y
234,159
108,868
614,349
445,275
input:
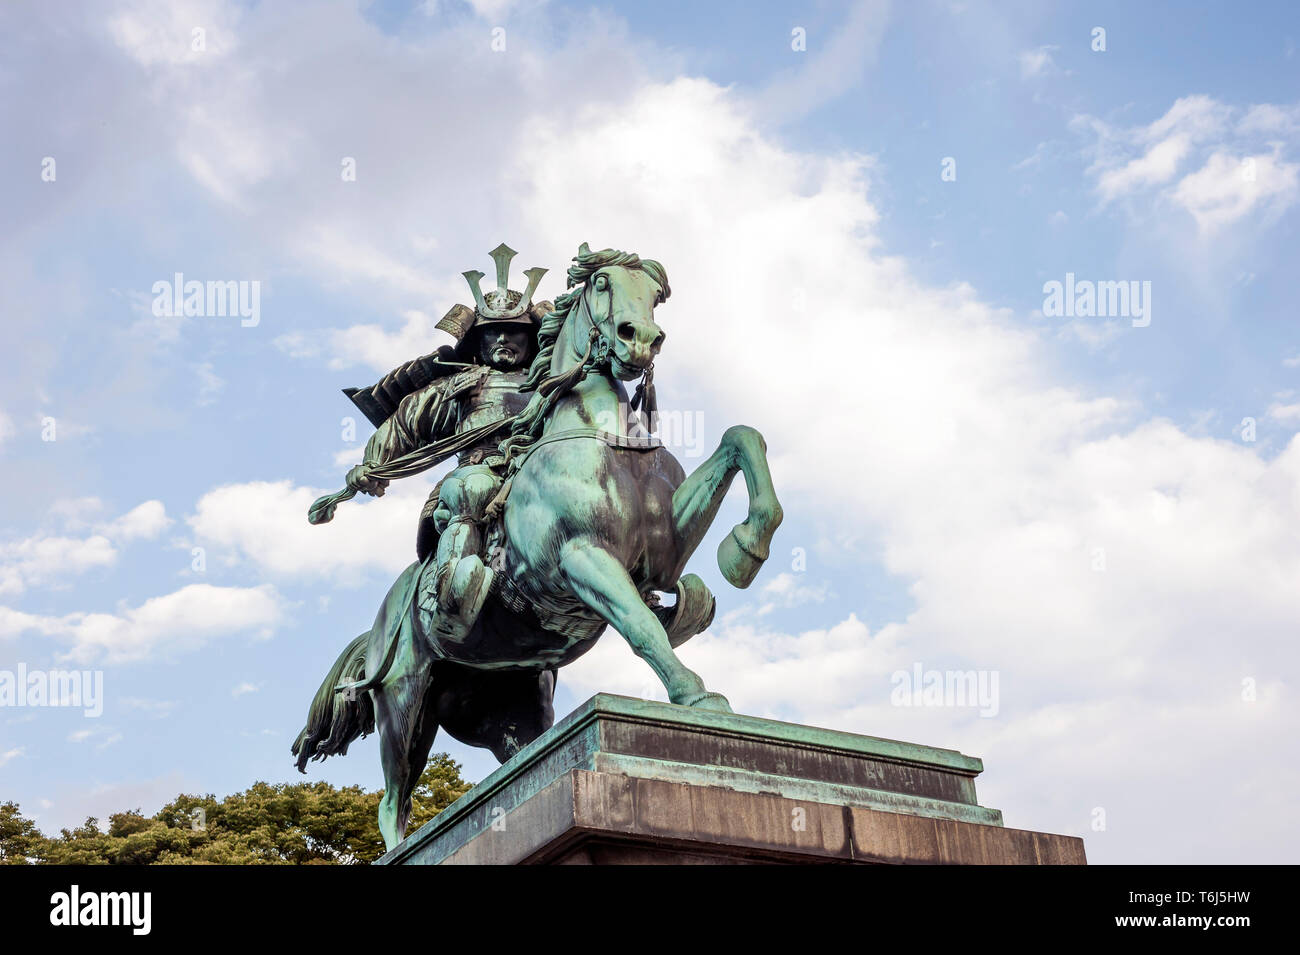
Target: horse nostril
x,y
627,331
658,343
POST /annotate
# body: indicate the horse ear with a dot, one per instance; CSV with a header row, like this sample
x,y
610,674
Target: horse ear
x,y
584,250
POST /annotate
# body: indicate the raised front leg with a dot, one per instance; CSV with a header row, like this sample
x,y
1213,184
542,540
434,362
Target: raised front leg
x,y
601,581
697,499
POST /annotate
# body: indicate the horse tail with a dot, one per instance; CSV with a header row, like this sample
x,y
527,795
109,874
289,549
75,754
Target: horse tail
x,y
336,718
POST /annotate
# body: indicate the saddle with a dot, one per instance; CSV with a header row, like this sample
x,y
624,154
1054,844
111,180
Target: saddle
x,y
692,612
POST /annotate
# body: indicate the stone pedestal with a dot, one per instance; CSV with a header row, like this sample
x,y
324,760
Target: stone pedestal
x,y
622,780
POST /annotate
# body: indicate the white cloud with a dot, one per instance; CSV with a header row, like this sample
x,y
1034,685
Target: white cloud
x,y
811,676
1270,119
1038,62
375,347
1093,333
984,483
1218,163
157,34
491,10
265,523
1284,413
1228,187
143,522
1156,166
1198,117
45,559
1034,159
154,708
835,60
347,253
989,486
42,559
73,511
210,383
244,689
10,754
160,627
791,590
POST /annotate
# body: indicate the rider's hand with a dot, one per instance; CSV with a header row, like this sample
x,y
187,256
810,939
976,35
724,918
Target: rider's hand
x,y
359,479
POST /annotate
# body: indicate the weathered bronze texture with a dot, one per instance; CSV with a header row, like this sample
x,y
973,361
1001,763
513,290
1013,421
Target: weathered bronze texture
x,y
565,515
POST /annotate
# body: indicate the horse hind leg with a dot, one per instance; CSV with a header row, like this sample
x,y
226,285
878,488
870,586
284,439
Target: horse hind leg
x,y
417,757
697,499
392,757
407,727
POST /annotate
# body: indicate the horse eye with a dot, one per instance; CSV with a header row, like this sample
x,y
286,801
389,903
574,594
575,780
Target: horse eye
x,y
602,283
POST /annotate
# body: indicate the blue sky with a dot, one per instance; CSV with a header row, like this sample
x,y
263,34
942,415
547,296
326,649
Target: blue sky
x,y
951,461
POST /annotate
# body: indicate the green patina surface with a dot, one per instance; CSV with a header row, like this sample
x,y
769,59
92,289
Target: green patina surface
x,y
583,740
652,711
564,515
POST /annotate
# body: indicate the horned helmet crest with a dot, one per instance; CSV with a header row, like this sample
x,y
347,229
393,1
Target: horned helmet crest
x,y
500,305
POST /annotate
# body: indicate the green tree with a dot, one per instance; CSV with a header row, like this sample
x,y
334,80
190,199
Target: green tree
x,y
20,840
440,785
267,824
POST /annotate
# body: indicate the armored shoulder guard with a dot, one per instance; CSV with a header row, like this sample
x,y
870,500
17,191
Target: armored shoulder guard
x,y
378,401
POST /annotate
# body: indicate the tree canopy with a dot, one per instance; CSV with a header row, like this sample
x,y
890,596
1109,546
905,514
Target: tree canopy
x,y
267,824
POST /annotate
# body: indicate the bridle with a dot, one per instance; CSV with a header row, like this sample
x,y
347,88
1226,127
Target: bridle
x,y
600,345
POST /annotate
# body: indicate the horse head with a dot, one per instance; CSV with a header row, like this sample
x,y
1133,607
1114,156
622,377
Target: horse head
x,y
607,320
619,293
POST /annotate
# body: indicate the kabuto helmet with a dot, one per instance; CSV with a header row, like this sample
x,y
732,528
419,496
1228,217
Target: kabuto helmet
x,y
499,307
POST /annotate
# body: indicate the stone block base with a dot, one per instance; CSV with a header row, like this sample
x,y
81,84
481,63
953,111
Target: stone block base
x,y
623,781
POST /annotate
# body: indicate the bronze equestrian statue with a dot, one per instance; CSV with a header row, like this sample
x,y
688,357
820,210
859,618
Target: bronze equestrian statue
x,y
565,515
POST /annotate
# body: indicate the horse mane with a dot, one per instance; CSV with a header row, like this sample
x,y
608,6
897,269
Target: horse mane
x,y
547,389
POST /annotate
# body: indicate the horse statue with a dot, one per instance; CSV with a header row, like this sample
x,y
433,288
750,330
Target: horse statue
x,y
592,524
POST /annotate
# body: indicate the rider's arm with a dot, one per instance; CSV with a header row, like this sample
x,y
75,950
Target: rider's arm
x,y
421,417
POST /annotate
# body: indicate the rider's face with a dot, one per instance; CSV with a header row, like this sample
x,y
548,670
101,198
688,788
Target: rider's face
x,y
504,347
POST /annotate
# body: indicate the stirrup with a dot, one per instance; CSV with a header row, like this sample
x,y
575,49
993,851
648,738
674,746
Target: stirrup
x,y
456,626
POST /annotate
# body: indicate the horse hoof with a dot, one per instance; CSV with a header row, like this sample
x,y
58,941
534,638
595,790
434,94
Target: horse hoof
x,y
692,613
710,701
739,559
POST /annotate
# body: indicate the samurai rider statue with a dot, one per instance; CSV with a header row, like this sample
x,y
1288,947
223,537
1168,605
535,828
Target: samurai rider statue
x,y
593,521
457,400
